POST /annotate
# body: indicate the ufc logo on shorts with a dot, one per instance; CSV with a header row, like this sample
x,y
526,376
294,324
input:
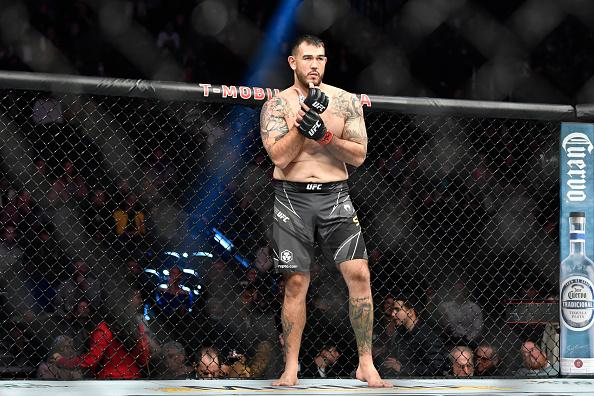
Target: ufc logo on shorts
x,y
282,216
313,187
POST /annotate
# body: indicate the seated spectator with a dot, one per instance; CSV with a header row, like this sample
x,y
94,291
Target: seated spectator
x,y
535,362
462,361
385,328
79,323
69,185
250,278
264,278
130,225
238,365
322,364
249,302
175,308
263,261
24,350
461,319
98,215
116,349
173,298
43,262
64,346
81,284
160,171
235,365
415,349
487,361
138,279
23,212
10,252
41,166
208,364
550,338
174,359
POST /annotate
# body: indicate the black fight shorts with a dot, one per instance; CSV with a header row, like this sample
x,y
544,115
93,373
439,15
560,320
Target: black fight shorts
x,y
305,213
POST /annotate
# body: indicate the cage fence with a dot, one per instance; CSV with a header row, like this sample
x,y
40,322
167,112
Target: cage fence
x,y
136,237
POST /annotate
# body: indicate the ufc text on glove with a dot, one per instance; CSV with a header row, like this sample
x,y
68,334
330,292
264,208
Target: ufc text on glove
x,y
316,99
312,127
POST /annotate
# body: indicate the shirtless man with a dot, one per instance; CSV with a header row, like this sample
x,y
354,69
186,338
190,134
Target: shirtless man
x,y
311,131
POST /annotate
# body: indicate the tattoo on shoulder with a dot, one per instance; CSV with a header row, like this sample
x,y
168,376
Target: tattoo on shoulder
x,y
354,123
346,106
272,118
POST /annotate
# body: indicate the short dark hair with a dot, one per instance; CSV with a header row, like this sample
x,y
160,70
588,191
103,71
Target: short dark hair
x,y
309,39
405,302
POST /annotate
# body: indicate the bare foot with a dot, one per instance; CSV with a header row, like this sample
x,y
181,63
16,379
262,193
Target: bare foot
x,y
372,377
287,379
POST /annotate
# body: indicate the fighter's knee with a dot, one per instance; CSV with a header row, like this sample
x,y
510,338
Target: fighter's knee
x,y
358,274
361,276
296,284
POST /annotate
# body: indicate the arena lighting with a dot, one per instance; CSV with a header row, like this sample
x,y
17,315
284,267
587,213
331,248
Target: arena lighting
x,y
242,261
209,199
174,254
228,245
186,255
222,240
202,254
146,312
281,26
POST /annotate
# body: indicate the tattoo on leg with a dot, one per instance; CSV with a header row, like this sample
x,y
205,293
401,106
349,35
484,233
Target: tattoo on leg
x,y
287,328
361,315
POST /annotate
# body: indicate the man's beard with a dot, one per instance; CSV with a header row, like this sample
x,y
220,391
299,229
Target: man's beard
x,y
302,78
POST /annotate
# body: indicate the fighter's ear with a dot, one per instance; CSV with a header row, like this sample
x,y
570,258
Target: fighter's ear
x,y
291,60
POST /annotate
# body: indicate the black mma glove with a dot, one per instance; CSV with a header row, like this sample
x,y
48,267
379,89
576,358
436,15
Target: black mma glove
x,y
316,100
312,127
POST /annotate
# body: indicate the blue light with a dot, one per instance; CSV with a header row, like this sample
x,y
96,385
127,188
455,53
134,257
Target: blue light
x,y
174,254
208,199
146,312
241,260
222,240
281,27
202,254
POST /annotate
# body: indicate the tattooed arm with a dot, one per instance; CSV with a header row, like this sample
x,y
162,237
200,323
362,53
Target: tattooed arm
x,y
282,143
351,148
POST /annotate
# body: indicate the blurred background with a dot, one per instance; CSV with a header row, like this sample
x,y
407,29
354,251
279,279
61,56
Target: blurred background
x,y
507,50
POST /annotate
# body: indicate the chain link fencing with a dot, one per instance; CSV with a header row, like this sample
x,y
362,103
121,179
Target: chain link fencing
x,y
136,241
